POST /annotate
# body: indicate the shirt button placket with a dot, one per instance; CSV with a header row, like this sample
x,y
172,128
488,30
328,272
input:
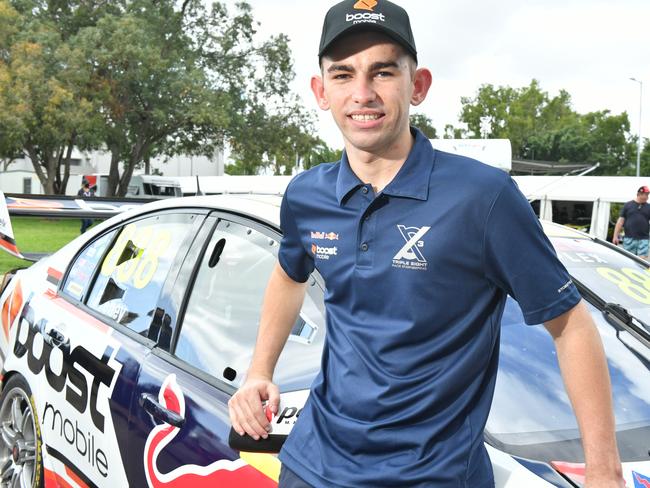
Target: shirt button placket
x,y
366,232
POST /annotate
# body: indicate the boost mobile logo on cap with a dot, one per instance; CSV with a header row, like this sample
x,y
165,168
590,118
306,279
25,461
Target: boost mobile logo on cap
x,y
410,256
365,5
369,16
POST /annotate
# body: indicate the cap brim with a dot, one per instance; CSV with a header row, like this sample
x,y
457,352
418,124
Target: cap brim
x,y
369,27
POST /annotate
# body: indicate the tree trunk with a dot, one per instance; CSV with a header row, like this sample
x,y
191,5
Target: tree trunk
x,y
114,171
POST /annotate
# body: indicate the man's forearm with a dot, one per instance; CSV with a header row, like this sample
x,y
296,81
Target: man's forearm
x,y
584,370
282,302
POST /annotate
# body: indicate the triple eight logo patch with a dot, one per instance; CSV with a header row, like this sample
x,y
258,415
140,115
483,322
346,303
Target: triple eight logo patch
x,y
410,255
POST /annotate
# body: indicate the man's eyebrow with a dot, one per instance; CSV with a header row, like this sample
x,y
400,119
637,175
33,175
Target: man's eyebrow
x,y
340,67
383,65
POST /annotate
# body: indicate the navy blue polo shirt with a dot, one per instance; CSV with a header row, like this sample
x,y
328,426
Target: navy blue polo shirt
x,y
416,277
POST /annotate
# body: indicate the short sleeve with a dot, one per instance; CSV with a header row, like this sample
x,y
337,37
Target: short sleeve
x,y
293,257
623,212
520,259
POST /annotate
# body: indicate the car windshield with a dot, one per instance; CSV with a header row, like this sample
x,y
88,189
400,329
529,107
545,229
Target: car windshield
x,y
612,275
531,415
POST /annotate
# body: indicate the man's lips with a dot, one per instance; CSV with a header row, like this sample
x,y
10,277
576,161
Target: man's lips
x,y
366,116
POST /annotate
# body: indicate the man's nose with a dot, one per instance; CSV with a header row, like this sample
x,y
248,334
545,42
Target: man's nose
x,y
364,91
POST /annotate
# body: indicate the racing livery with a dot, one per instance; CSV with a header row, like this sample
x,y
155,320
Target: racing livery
x,y
120,352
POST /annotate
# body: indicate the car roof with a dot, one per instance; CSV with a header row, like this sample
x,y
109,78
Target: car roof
x,y
257,206
551,229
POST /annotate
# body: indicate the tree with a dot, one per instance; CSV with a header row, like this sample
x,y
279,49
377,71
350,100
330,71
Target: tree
x,y
142,78
44,108
322,153
425,124
187,80
543,128
452,132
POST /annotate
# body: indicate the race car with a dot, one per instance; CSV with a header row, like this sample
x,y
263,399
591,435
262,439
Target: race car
x,y
120,352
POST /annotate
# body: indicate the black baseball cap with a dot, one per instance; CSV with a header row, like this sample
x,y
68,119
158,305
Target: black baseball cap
x,y
643,189
362,15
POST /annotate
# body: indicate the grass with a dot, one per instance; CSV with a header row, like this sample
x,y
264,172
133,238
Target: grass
x,y
39,236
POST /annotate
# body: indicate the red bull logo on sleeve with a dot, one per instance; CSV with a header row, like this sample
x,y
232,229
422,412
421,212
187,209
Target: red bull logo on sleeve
x,y
222,472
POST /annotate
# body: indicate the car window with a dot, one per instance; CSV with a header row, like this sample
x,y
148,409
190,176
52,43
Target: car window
x,y
220,325
83,267
134,269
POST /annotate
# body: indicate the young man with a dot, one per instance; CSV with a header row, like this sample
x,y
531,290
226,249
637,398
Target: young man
x,y
634,218
429,245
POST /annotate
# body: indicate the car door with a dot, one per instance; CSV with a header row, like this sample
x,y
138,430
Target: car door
x,y
180,423
95,334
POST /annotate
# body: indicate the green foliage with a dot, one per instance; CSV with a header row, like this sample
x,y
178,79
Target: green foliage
x,y
322,153
143,79
44,107
425,124
543,128
452,132
645,159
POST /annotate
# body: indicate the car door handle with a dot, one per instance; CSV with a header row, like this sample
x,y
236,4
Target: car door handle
x,y
150,404
55,338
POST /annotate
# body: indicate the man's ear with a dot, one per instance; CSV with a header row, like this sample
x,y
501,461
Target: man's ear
x,y
318,88
421,83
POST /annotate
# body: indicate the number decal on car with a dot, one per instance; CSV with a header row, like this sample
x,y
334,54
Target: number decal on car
x,y
633,282
136,254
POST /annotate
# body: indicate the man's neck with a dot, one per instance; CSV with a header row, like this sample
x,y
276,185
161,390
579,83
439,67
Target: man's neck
x,y
380,168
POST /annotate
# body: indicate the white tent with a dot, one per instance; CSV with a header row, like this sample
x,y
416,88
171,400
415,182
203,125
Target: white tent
x,y
601,190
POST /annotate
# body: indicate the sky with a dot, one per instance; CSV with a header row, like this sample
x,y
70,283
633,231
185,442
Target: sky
x,y
588,47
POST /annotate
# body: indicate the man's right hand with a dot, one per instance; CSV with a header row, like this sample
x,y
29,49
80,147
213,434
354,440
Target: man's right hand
x,y
245,407
615,240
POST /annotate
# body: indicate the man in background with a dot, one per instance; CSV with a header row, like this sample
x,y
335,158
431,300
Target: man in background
x,y
84,192
634,220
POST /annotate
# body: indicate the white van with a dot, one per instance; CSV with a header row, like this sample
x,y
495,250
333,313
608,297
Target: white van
x,y
151,186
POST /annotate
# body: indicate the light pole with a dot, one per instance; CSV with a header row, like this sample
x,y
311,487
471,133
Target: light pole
x,y
640,143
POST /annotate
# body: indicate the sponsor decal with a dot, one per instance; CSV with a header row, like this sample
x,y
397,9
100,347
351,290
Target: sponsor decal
x,y
365,5
11,307
365,17
640,481
54,276
410,256
220,473
330,236
320,252
75,373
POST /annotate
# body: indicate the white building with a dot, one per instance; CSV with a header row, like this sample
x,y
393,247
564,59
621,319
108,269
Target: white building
x,y
19,176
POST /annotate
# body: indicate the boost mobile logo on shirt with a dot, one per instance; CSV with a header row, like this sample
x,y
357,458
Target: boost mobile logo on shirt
x,y
410,256
320,252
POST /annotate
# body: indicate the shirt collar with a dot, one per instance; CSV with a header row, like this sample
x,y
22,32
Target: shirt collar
x,y
411,181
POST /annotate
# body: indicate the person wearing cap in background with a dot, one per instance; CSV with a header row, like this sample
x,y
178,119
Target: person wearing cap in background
x,y
634,219
413,311
85,191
